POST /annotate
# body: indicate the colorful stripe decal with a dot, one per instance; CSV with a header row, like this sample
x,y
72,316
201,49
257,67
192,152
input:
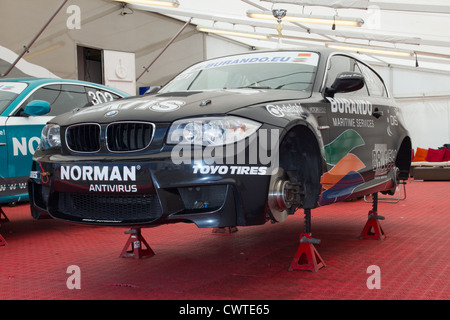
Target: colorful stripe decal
x,y
342,145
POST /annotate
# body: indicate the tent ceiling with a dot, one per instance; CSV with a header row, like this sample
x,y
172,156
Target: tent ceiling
x,y
419,26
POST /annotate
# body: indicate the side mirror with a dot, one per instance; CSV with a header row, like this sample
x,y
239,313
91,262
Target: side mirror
x,y
37,108
345,82
152,90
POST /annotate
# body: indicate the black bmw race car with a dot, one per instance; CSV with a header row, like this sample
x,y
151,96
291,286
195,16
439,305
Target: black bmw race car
x,y
233,141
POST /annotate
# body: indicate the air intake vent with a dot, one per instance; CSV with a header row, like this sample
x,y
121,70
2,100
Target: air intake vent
x,y
109,207
83,137
129,136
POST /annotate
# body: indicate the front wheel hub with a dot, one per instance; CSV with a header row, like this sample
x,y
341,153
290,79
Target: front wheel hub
x,y
283,195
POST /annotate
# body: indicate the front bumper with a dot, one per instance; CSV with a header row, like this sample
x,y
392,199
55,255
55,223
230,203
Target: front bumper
x,y
145,192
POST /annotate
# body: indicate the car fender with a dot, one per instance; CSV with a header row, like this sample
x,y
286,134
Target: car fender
x,y
291,114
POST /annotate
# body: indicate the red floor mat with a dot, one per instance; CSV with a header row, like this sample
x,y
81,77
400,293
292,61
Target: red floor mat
x,y
253,263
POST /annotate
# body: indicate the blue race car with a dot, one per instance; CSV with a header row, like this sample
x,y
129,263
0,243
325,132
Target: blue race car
x,y
25,107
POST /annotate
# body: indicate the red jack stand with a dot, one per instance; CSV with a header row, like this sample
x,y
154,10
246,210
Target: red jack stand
x,y
225,230
372,229
136,240
307,258
2,241
3,217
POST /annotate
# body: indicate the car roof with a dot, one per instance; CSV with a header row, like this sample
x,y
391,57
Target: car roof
x,y
45,80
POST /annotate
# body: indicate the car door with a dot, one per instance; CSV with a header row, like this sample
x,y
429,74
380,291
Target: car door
x,y
23,132
386,123
353,134
10,93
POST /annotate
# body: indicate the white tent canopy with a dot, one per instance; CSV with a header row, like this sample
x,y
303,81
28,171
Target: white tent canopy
x,y
418,26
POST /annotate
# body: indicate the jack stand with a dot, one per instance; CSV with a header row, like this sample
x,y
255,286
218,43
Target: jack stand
x,y
307,258
2,241
137,251
225,230
372,229
3,217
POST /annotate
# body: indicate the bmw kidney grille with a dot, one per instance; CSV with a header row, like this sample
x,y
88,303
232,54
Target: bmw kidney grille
x,y
119,137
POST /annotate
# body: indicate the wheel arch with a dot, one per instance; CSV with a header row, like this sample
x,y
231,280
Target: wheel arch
x,y
403,159
301,156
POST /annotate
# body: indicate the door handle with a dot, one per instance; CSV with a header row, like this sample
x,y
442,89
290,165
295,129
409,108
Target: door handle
x,y
377,113
2,144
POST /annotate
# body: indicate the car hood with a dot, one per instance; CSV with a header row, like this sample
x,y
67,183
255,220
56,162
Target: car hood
x,y
168,107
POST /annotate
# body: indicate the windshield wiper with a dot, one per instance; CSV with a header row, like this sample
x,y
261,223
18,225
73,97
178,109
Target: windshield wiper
x,y
287,84
251,86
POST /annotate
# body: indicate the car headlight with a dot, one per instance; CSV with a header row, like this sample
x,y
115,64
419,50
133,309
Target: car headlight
x,y
211,131
51,136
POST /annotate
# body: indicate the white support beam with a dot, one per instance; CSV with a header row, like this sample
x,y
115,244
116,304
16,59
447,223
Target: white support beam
x,y
424,6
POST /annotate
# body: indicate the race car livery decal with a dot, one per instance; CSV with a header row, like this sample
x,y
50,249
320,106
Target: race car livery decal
x,y
350,106
383,159
342,145
98,173
112,188
22,146
270,57
340,182
349,163
392,120
240,170
13,87
162,106
155,104
301,57
285,109
343,189
12,186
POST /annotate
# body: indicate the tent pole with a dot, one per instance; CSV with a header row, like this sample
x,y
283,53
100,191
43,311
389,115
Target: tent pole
x,y
27,47
165,48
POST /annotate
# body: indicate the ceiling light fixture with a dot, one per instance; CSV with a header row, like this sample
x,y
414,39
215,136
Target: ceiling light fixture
x,y
163,3
235,33
371,50
337,20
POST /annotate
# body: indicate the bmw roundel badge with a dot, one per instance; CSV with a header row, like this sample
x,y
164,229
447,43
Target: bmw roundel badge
x,y
111,113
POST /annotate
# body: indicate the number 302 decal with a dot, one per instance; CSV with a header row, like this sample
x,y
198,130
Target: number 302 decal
x,y
98,97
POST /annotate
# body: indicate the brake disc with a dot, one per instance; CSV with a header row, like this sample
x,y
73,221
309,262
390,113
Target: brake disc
x,y
283,195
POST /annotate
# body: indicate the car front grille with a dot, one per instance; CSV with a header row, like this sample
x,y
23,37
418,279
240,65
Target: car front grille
x,y
119,137
108,207
128,136
83,137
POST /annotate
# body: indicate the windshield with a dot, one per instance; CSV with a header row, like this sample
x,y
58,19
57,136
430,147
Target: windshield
x,y
287,70
8,92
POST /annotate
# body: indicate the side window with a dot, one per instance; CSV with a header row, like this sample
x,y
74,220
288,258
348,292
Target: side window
x,y
62,98
97,96
70,97
48,93
373,81
338,64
